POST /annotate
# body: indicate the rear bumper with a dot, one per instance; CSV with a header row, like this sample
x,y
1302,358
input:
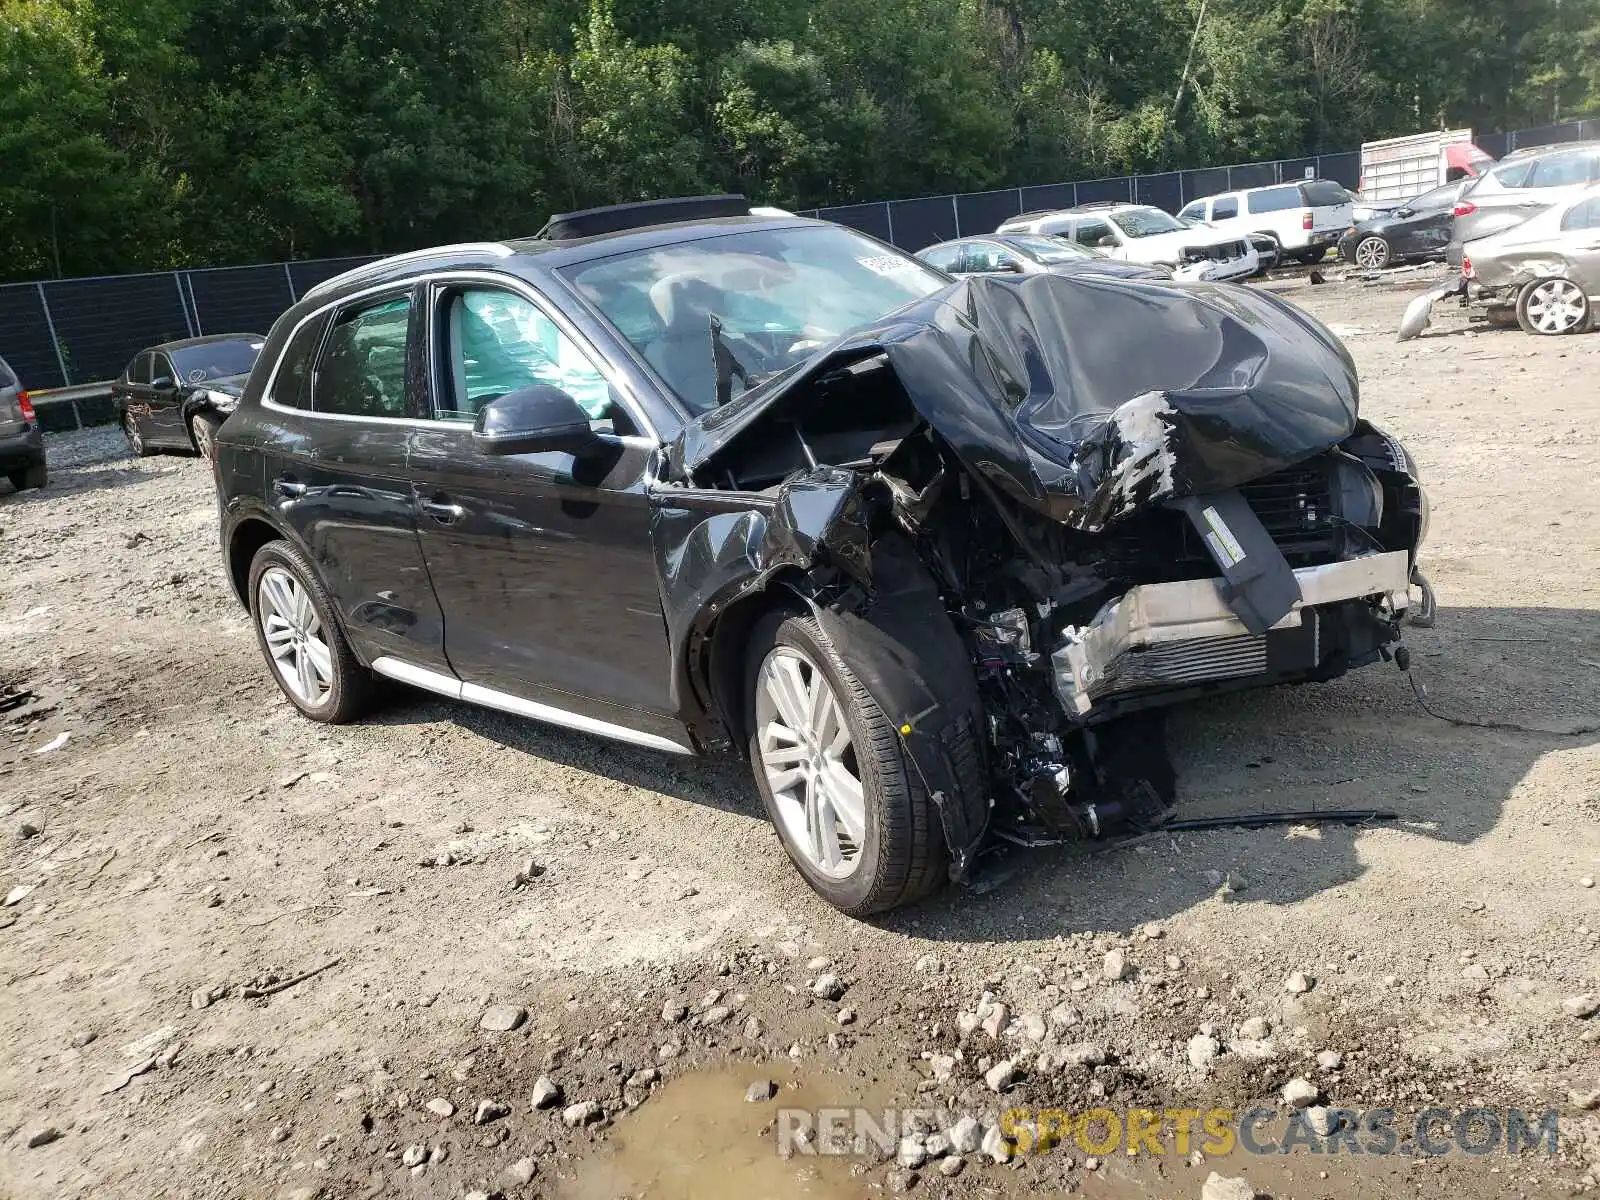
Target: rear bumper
x,y
19,451
1177,635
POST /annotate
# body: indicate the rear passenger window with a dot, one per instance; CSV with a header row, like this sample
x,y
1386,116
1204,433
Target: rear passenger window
x,y
139,369
1273,199
1583,216
362,371
291,386
1321,193
1221,210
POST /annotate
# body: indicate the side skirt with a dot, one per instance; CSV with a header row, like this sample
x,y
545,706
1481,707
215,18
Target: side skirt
x,y
472,693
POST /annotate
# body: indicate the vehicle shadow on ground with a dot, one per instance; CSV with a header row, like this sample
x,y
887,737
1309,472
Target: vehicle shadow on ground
x,y
76,479
1359,742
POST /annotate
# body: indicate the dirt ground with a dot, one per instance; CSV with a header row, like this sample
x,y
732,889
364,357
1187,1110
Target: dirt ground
x,y
194,841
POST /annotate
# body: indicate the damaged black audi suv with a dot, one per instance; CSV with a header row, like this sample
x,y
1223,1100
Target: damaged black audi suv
x,y
932,555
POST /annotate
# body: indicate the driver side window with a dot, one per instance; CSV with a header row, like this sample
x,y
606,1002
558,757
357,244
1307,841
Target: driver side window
x,y
496,342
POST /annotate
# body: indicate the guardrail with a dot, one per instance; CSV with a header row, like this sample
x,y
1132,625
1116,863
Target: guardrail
x,y
61,410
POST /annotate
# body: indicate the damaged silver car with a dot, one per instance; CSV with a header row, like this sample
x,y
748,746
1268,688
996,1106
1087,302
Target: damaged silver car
x,y
933,555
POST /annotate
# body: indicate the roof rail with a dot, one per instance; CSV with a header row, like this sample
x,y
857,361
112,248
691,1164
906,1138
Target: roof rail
x,y
1100,204
614,218
495,249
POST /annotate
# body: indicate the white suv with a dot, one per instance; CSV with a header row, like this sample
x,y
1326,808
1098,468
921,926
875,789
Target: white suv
x,y
1139,233
1305,218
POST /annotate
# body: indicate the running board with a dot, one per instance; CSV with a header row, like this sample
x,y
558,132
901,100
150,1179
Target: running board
x,y
454,689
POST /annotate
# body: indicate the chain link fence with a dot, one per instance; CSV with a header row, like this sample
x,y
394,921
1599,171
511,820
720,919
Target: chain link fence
x,y
65,332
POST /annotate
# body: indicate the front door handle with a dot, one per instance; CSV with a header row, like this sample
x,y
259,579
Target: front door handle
x,y
443,512
288,488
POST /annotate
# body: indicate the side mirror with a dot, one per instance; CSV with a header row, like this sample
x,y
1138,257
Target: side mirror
x,y
1402,212
163,384
1107,243
1011,266
532,420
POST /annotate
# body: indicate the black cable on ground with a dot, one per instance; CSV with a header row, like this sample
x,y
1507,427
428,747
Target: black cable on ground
x,y
1420,691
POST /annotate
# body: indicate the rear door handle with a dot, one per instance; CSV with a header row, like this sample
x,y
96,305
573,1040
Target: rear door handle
x,y
443,512
288,488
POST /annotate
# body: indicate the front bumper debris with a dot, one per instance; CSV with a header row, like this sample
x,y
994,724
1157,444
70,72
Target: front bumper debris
x,y
1177,634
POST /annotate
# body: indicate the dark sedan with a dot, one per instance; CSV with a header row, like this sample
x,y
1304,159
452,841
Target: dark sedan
x,y
1418,229
175,396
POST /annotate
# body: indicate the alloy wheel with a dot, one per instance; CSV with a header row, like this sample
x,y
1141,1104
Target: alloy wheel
x,y
130,429
1556,305
294,636
201,428
810,763
1372,253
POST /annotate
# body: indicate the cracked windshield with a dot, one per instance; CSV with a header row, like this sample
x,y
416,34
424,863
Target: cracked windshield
x,y
778,296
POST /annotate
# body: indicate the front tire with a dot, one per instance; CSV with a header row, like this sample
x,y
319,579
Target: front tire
x,y
203,432
305,648
1552,307
862,831
1372,253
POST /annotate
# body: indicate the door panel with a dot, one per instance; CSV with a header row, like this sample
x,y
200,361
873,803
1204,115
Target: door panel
x,y
542,562
338,476
543,568
165,422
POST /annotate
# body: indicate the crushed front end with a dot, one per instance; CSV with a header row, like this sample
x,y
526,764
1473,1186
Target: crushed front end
x,y
1126,494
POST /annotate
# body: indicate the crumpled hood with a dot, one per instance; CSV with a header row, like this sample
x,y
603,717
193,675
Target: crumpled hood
x,y
228,385
1087,397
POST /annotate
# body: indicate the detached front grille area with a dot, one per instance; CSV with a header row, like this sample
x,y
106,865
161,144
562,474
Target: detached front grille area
x,y
1296,507
1221,252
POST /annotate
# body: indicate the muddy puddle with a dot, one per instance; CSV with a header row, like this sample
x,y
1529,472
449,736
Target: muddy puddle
x,y
698,1138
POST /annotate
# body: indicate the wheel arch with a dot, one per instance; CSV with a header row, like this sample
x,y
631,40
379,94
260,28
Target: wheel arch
x,y
246,537
718,652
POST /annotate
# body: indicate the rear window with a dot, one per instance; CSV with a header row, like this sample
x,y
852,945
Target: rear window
x,y
1273,199
7,378
1320,193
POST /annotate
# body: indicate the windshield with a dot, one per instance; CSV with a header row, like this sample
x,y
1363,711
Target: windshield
x,y
1049,250
778,296
215,360
1143,222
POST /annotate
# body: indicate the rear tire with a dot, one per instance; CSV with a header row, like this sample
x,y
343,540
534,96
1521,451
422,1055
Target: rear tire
x,y
1552,307
300,637
130,430
890,850
1309,257
36,476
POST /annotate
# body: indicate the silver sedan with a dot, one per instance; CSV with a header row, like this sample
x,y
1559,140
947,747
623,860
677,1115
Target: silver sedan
x,y
1547,269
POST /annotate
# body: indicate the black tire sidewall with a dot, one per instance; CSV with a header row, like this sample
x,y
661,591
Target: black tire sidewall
x,y
883,777
344,697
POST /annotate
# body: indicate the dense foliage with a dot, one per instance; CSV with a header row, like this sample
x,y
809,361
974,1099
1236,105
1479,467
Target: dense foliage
x,y
149,133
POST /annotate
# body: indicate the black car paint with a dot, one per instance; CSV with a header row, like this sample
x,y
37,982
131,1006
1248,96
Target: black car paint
x,y
1026,384
1422,232
613,582
162,414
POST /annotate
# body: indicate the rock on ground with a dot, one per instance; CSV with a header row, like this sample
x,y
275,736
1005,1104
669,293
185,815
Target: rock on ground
x,y
1219,1188
546,1093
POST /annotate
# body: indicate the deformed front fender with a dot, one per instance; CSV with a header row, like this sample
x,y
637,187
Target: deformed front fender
x,y
715,551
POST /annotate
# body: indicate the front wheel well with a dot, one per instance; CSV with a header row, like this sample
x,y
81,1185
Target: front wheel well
x,y
722,653
248,537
